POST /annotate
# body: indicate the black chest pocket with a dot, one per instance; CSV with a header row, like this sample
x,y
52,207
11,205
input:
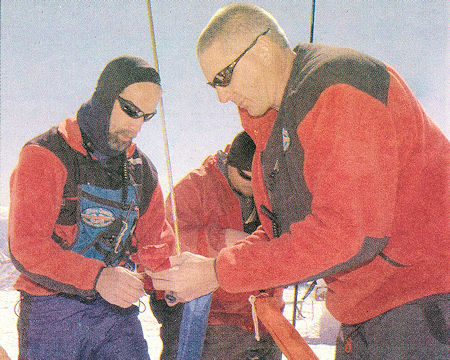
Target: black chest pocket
x,y
282,163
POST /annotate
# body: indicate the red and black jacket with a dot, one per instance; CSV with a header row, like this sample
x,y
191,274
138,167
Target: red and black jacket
x,y
44,212
350,178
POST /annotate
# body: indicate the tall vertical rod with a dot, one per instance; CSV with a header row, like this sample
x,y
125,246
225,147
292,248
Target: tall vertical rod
x,y
311,30
164,131
311,39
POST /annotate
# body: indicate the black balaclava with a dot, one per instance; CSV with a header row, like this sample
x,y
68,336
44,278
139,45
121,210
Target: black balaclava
x,y
241,152
93,117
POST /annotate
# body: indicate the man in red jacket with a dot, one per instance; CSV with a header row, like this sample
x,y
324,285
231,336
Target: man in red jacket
x,y
350,179
86,209
215,208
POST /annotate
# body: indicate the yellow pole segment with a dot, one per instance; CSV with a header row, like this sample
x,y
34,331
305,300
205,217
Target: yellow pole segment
x,y
164,131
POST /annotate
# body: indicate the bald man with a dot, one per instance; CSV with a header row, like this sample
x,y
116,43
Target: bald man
x,y
350,180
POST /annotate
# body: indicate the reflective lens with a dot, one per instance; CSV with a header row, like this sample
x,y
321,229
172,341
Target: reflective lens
x,y
223,77
244,175
133,111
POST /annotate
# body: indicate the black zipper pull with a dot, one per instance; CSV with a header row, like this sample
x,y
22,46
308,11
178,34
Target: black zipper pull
x,y
125,181
271,215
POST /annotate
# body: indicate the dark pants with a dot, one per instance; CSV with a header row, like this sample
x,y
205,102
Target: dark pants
x,y
169,317
221,341
58,327
416,330
233,343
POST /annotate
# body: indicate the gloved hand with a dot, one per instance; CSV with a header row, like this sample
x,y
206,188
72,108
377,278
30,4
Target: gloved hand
x,y
119,286
190,277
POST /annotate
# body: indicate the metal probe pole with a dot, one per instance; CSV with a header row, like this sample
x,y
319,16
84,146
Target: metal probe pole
x,y
311,38
164,131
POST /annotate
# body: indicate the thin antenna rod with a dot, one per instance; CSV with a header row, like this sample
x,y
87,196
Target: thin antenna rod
x,y
313,11
164,131
311,39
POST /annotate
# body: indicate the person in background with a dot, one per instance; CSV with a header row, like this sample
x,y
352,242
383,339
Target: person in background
x,y
215,208
350,180
86,209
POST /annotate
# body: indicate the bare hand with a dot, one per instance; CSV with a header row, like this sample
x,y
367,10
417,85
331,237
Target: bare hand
x,y
190,277
232,236
119,286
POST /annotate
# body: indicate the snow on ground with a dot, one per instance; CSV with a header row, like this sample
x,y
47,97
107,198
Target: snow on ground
x,y
8,330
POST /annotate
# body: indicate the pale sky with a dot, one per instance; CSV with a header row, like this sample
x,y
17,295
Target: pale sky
x,y
53,51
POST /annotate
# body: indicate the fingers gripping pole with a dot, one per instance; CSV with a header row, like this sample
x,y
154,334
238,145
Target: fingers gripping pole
x,y
164,131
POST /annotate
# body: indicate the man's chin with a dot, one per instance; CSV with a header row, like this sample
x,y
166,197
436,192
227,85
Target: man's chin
x,y
256,112
120,146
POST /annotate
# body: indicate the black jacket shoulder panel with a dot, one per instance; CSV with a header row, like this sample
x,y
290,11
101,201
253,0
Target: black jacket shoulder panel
x,y
82,169
318,67
146,174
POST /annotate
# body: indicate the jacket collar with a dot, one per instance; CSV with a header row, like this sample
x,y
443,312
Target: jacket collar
x,y
259,128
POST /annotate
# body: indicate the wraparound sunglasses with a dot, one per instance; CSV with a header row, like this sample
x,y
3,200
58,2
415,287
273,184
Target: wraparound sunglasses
x,y
223,77
132,110
244,175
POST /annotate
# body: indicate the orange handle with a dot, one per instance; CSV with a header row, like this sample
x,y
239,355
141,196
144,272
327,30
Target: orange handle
x,y
289,341
3,354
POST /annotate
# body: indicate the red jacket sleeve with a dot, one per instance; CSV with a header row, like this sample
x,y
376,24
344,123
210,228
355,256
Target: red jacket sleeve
x,y
198,226
155,238
36,188
351,168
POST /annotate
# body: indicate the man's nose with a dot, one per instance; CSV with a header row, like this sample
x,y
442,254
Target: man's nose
x,y
223,94
135,125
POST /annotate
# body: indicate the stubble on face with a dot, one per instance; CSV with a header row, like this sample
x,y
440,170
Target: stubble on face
x,y
115,141
122,129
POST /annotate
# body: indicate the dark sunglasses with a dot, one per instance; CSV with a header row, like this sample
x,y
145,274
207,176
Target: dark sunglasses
x,y
223,77
133,111
244,175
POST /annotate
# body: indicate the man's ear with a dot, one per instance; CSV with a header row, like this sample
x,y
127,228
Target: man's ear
x,y
265,49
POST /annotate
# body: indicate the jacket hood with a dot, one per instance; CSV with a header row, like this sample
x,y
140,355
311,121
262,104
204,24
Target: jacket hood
x,y
94,115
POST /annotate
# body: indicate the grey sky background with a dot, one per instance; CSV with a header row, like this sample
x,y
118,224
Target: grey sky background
x,y
52,53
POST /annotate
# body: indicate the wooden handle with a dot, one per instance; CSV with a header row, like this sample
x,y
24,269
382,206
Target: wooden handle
x,y
3,354
289,341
